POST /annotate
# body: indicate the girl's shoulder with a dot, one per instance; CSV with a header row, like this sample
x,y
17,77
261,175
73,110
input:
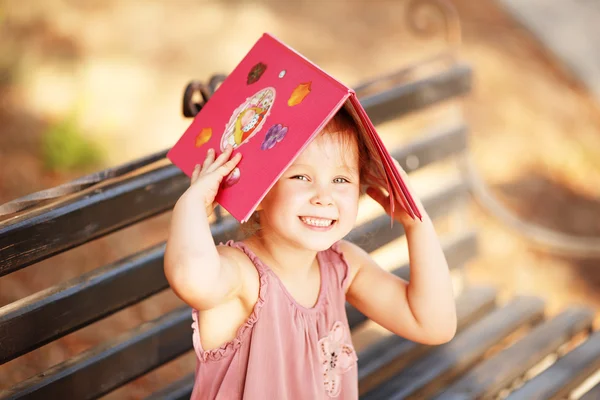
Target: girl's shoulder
x,y
241,253
352,256
237,251
250,268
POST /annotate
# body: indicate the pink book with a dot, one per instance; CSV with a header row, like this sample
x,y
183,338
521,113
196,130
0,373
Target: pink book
x,y
269,108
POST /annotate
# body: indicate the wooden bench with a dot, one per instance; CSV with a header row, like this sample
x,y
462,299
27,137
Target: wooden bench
x,y
500,348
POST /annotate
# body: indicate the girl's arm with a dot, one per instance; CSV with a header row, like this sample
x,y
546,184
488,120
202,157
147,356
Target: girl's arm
x,y
200,273
423,309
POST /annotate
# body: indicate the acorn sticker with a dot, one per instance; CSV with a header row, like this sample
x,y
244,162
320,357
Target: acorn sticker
x,y
256,72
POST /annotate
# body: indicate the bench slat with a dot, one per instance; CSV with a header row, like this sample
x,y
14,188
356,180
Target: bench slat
x,y
392,353
405,98
377,232
565,374
41,234
494,374
66,307
432,147
592,394
458,250
114,206
99,370
442,363
178,390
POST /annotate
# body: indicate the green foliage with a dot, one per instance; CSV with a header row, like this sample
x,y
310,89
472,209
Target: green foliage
x,y
65,149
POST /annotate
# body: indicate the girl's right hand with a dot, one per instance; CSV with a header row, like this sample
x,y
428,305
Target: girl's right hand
x,y
207,177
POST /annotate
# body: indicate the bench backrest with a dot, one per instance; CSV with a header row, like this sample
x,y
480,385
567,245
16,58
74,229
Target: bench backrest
x,y
47,231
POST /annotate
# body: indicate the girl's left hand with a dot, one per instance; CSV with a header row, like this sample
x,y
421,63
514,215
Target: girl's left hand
x,y
399,214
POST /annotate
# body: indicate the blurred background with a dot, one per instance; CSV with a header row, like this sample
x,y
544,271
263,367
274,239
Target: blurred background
x,y
86,85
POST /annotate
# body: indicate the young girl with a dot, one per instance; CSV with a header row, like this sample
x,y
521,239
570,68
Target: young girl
x,y
269,320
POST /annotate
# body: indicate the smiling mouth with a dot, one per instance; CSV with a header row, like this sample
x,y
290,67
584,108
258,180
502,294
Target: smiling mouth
x,y
318,222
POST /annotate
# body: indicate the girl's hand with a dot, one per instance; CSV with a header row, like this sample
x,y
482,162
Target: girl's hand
x,y
207,177
399,214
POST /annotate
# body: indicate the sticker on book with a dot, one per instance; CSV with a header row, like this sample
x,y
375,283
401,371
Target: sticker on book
x,y
232,178
255,73
248,119
274,135
299,94
203,136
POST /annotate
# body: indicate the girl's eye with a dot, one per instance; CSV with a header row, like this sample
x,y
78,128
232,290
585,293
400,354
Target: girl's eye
x,y
341,180
300,177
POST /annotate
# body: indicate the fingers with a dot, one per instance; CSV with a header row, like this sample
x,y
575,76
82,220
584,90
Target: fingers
x,y
195,173
210,158
221,160
222,165
226,168
198,169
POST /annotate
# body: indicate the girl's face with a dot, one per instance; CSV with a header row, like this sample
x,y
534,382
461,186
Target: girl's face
x,y
315,202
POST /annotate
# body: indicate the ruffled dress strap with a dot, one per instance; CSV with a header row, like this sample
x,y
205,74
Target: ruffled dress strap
x,y
231,346
340,265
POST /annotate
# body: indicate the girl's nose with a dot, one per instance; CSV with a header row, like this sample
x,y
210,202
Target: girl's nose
x,y
322,198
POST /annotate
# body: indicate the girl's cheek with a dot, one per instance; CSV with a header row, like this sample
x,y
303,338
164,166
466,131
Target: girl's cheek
x,y
349,191
349,198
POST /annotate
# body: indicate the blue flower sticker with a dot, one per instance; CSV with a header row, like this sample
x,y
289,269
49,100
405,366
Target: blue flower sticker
x,y
275,134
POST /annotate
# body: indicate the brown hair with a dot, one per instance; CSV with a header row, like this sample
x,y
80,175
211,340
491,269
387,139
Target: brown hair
x,y
344,125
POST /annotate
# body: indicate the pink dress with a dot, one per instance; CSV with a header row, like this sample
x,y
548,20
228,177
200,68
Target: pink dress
x,y
284,350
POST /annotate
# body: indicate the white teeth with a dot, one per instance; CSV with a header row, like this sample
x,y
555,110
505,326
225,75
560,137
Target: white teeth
x,y
317,221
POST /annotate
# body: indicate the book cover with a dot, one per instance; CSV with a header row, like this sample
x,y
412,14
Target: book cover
x,y
269,108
